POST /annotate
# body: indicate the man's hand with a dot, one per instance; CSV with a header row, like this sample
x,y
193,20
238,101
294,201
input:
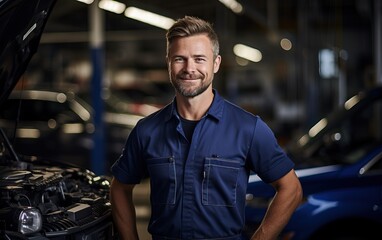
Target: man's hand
x,y
287,198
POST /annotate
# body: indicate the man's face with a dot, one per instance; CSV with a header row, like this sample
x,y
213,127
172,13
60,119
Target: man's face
x,y
191,64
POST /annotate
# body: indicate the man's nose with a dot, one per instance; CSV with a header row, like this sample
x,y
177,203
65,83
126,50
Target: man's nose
x,y
190,65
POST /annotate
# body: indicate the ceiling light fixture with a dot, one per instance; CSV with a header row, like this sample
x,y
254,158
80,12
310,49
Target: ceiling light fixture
x,y
249,53
149,17
112,6
233,5
286,44
86,1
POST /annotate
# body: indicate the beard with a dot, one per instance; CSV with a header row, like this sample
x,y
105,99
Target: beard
x,y
187,89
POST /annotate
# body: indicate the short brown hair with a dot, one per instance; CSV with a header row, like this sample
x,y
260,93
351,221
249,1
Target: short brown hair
x,y
189,26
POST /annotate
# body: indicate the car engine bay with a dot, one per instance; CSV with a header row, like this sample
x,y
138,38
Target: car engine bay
x,y
42,200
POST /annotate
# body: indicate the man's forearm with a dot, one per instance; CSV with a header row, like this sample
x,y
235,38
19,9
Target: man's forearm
x,y
284,203
276,218
123,212
126,225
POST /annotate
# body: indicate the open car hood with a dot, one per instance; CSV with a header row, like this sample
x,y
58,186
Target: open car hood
x,y
21,25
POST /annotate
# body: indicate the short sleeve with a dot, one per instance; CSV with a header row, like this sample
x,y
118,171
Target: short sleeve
x,y
129,167
266,156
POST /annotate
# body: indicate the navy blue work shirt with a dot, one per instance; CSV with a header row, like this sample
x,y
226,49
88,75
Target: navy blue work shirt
x,y
198,188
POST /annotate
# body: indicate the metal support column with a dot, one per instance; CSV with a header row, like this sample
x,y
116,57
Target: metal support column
x,y
378,39
98,163
378,55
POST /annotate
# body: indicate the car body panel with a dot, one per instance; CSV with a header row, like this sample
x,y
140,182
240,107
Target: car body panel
x,y
22,23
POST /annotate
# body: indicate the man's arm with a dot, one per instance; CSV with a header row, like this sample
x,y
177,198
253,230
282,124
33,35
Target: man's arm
x,y
287,198
123,210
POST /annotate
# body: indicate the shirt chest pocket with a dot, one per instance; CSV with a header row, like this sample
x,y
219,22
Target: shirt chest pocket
x,y
219,185
163,180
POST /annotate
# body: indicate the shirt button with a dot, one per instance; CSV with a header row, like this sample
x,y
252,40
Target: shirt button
x,y
171,159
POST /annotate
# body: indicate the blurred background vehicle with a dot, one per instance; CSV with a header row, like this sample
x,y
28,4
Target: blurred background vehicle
x,y
339,163
152,93
120,102
59,126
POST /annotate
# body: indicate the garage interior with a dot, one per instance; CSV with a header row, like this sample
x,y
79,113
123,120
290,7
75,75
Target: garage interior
x,y
309,57
314,54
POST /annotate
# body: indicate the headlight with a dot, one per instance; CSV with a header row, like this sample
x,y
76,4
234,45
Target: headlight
x,y
30,221
24,220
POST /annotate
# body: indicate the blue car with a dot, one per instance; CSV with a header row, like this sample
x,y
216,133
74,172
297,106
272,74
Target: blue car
x,y
339,164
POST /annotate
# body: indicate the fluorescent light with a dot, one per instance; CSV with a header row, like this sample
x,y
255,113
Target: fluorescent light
x,y
112,6
27,133
149,17
72,128
233,5
351,102
86,1
249,53
318,127
120,118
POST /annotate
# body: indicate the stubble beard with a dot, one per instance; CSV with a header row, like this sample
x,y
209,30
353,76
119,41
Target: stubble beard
x,y
189,90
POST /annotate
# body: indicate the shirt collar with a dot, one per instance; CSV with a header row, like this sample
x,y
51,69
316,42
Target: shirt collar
x,y
215,110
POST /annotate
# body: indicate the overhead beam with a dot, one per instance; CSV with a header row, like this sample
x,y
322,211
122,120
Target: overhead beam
x,y
110,36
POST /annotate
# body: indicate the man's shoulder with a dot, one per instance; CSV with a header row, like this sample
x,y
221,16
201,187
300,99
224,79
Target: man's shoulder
x,y
224,108
233,108
154,118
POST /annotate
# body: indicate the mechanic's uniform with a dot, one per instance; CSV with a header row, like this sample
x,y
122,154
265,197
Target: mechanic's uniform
x,y
198,187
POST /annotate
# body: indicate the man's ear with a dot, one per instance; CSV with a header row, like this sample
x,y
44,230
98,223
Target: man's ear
x,y
217,62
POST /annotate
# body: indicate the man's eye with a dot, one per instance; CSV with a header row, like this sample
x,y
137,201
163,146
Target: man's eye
x,y
200,60
178,59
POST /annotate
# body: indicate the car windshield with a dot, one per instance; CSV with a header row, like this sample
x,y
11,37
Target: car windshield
x,y
342,138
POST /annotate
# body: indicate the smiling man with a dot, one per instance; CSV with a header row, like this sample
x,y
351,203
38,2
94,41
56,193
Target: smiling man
x,y
198,152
